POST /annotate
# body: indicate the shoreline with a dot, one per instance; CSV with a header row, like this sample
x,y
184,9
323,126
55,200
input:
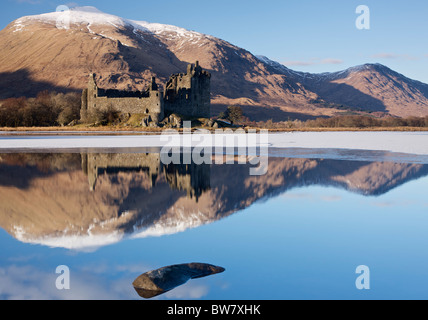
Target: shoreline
x,y
154,131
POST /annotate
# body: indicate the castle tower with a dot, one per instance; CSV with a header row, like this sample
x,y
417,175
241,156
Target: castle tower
x,y
92,84
189,94
153,85
89,95
92,90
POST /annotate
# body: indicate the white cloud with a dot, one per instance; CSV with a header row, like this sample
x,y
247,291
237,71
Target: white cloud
x,y
331,61
298,63
29,1
188,291
26,282
386,55
313,61
297,196
331,198
30,283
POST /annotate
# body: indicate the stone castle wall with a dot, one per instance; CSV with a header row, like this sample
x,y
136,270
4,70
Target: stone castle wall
x,y
150,102
152,105
186,94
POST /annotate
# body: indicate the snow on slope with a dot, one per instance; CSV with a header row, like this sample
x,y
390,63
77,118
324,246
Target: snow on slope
x,y
79,15
92,16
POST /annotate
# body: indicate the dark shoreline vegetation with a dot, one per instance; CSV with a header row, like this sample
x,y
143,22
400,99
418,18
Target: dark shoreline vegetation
x,y
348,121
53,110
46,110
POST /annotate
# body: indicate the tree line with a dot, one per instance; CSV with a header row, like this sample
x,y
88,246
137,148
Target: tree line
x,y
360,121
45,110
59,109
346,121
364,121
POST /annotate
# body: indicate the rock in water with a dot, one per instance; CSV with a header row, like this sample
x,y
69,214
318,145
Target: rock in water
x,y
160,281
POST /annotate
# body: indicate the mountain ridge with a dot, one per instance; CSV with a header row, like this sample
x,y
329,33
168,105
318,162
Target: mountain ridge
x,y
57,52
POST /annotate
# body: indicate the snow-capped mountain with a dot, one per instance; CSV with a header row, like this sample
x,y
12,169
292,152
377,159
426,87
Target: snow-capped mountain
x,y
57,51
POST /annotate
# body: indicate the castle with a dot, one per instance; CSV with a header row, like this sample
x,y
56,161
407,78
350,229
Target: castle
x,y
185,94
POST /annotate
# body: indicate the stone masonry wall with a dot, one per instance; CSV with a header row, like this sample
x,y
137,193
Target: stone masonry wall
x,y
186,94
189,94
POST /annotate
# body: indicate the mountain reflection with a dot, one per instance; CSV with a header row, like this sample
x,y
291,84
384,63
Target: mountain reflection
x,y
80,201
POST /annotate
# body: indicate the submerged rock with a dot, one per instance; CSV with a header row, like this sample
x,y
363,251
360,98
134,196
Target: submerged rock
x,y
160,281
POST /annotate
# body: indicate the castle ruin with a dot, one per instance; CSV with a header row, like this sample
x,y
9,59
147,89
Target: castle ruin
x,y
185,94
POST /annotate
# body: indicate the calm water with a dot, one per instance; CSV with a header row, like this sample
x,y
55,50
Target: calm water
x,y
298,232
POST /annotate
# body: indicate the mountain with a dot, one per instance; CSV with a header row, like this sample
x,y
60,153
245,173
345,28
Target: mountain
x,y
57,51
369,87
47,198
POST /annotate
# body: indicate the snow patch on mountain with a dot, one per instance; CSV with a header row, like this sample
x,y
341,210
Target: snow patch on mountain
x,y
158,28
79,15
92,16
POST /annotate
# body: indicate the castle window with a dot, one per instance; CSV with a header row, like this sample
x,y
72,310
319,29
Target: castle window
x,y
95,95
147,111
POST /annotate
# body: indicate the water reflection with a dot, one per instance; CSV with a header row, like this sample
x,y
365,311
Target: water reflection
x,y
89,200
194,179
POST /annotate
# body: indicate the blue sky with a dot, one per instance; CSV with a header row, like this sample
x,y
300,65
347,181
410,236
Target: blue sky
x,y
308,35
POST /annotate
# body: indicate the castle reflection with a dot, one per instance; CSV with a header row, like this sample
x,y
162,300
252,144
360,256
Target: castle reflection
x,y
191,178
94,199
